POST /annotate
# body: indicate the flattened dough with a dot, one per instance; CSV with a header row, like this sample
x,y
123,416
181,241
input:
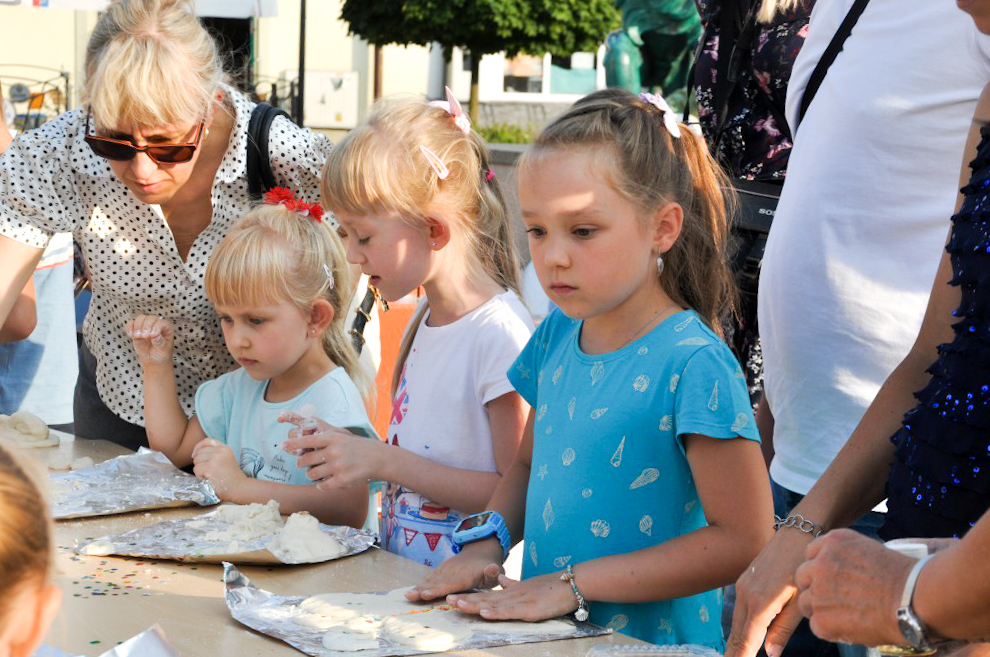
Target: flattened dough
x,y
430,631
341,606
344,639
520,628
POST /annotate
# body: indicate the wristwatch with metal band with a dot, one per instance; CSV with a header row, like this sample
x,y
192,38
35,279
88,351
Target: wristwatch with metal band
x,y
911,627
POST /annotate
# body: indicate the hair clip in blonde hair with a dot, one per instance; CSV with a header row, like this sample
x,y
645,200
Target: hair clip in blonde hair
x,y
453,107
435,162
669,118
326,270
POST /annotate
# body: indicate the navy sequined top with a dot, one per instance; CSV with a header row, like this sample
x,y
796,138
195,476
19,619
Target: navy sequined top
x,y
939,484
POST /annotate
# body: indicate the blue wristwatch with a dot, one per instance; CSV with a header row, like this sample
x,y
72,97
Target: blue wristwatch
x,y
480,526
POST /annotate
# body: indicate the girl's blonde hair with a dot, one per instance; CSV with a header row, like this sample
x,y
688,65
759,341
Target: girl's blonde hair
x,y
648,167
273,254
380,168
26,545
151,62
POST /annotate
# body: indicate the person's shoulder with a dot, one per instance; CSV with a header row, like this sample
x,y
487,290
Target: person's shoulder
x,y
229,382
505,310
63,136
688,335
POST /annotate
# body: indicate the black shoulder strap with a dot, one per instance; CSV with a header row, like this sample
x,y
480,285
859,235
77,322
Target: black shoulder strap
x,y
259,166
833,50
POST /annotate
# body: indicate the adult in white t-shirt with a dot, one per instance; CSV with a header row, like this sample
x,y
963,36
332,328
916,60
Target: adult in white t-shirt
x,y
862,218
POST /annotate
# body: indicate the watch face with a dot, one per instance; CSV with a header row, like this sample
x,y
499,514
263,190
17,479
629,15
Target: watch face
x,y
913,633
477,520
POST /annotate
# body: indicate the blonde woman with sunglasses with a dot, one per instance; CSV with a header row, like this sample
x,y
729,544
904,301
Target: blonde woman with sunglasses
x,y
148,176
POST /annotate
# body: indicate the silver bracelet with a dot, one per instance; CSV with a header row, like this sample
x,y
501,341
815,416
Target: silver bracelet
x,y
581,613
799,522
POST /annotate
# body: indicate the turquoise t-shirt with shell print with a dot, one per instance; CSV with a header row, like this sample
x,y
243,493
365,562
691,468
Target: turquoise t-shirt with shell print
x,y
609,471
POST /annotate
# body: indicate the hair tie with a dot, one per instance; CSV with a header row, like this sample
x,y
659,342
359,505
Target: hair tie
x,y
453,107
669,118
284,196
489,175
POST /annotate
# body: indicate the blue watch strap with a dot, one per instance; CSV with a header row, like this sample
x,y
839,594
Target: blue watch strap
x,y
494,526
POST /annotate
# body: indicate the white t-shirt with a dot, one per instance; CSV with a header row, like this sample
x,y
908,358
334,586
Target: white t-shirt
x,y
863,216
438,412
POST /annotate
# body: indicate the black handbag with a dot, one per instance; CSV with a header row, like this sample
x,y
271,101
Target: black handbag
x,y
261,178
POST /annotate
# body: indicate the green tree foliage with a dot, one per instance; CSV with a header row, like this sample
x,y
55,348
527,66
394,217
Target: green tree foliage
x,y
482,27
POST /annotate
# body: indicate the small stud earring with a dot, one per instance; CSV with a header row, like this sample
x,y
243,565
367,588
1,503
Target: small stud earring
x,y
433,244
660,265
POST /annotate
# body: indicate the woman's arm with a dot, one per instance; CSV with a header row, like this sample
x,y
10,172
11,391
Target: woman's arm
x,y
855,481
19,261
340,459
851,587
23,318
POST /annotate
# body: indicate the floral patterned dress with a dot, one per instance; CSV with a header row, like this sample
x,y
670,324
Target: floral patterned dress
x,y
753,144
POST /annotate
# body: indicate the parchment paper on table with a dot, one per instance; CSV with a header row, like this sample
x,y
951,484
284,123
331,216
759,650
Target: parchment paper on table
x,y
144,480
252,533
379,624
25,429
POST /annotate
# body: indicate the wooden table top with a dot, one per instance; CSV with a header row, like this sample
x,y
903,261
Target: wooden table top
x,y
107,600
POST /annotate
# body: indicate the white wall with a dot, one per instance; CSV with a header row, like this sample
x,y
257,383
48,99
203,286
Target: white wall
x,y
57,38
54,38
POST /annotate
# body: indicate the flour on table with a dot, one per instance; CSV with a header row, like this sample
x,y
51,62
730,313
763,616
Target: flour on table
x,y
432,631
302,541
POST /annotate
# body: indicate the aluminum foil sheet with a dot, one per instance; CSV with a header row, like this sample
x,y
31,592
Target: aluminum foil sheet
x,y
273,615
150,643
186,540
144,480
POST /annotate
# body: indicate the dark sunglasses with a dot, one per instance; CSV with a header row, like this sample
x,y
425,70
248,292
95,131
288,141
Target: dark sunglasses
x,y
118,149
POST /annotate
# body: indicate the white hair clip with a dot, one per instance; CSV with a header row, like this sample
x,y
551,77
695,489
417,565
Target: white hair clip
x,y
453,107
435,162
669,118
326,270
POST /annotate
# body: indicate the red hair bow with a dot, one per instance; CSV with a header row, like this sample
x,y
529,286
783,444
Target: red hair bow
x,y
284,196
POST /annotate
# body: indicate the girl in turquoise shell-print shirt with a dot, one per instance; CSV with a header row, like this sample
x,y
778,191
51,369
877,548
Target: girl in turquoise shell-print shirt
x,y
639,487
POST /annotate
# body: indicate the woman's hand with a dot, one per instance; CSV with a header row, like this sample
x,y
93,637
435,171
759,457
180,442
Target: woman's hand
x,y
533,599
153,338
766,605
215,462
850,588
336,458
476,567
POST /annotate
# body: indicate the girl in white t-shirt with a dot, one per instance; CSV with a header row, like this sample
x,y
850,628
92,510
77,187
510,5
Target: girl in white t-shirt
x,y
419,206
281,288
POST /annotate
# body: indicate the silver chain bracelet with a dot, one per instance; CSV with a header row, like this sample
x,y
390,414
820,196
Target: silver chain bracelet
x,y
799,522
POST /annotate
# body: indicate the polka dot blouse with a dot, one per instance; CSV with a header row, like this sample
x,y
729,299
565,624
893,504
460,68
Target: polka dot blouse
x,y
51,181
